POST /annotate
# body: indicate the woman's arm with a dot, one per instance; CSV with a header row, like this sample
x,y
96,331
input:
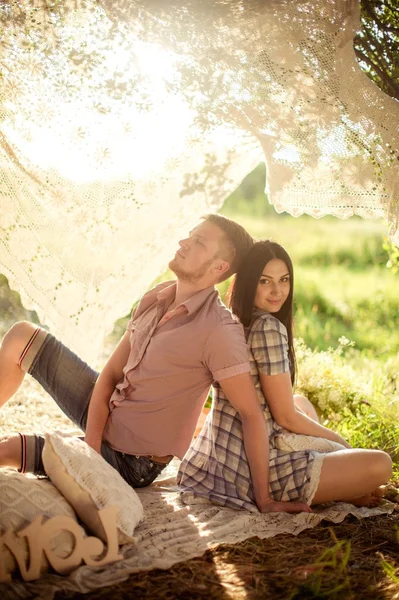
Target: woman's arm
x,y
102,392
277,390
240,392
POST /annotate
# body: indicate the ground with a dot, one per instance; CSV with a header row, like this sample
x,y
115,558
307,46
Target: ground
x,y
352,560
280,568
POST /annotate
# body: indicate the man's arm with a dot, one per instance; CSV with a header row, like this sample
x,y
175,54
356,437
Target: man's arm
x,y
240,392
278,393
102,392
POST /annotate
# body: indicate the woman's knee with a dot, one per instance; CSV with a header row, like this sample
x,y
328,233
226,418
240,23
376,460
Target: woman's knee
x,y
381,464
16,339
306,406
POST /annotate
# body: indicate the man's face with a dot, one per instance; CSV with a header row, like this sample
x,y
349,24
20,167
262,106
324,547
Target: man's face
x,y
197,257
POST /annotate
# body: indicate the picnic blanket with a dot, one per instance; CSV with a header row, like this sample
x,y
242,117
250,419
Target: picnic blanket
x,y
173,532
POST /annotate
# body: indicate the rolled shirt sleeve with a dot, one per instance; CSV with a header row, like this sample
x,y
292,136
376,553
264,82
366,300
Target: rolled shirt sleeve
x,y
226,352
269,345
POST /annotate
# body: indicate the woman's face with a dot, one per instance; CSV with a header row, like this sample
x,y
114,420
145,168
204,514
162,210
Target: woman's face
x,y
273,287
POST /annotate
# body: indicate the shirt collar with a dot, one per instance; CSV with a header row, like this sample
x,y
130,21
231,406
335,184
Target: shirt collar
x,y
168,294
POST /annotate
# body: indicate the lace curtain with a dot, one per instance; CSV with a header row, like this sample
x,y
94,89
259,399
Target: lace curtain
x,y
122,122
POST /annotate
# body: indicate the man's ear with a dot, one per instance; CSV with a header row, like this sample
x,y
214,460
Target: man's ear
x,y
221,267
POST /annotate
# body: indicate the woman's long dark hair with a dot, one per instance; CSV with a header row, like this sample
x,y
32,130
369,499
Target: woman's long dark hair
x,y
243,292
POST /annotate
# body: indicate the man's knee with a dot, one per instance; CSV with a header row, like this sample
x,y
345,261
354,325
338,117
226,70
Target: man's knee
x,y
10,451
16,339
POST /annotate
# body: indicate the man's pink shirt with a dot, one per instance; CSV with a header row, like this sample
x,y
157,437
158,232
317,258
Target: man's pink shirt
x,y
172,363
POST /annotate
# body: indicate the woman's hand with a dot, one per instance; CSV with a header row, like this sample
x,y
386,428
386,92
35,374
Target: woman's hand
x,y
270,505
345,443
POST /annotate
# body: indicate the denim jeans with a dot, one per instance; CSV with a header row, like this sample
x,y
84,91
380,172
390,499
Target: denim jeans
x,y
70,381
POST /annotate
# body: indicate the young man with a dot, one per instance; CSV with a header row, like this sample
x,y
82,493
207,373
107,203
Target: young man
x,y
143,407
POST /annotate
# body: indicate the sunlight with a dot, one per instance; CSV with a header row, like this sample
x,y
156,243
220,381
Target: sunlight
x,y
233,578
122,136
288,154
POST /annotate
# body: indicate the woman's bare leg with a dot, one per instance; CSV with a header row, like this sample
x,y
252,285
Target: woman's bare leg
x,y
352,475
306,406
11,374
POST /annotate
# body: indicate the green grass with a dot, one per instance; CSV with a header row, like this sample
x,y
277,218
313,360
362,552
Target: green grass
x,y
342,283
355,243
362,305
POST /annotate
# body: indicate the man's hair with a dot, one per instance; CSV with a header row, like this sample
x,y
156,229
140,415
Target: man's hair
x,y
236,242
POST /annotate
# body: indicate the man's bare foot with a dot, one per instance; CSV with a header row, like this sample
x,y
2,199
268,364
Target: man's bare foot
x,y
370,500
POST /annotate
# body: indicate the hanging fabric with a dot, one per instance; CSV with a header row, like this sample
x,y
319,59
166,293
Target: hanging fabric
x,y
123,122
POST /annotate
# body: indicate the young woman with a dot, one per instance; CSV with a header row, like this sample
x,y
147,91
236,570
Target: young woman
x,y
308,462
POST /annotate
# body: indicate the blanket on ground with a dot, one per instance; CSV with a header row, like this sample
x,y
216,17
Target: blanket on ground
x,y
173,532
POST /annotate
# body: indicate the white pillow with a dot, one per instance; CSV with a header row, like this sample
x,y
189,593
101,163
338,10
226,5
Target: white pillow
x,y
89,484
23,498
293,442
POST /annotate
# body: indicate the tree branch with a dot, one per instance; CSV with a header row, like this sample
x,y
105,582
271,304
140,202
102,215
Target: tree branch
x,y
369,9
379,54
390,87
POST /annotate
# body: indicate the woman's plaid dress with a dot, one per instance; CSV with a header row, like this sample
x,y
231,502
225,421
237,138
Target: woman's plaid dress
x,y
215,467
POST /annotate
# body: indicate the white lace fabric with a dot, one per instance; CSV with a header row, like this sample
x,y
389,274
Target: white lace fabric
x,y
294,442
123,122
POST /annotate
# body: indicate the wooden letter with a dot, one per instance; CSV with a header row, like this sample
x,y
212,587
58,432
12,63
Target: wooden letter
x,y
88,549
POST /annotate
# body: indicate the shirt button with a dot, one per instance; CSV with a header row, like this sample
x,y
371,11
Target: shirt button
x,y
141,480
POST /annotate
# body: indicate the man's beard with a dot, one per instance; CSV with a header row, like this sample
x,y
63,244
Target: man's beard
x,y
189,277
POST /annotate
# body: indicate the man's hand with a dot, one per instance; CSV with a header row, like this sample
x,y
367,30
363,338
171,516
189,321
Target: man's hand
x,y
270,505
104,387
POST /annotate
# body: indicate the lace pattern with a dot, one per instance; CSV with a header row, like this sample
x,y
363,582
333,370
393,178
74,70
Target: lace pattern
x,y
123,122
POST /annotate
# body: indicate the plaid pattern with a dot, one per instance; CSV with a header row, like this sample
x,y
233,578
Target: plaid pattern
x,y
268,342
215,467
